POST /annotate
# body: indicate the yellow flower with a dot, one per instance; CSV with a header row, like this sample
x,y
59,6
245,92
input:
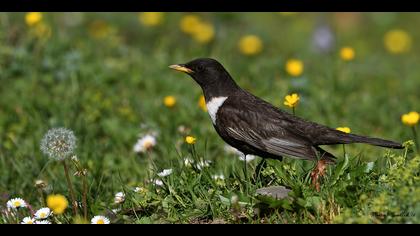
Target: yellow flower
x,y
204,33
33,18
190,139
190,23
397,41
291,100
169,101
294,67
57,203
347,53
151,18
411,118
202,103
346,130
250,45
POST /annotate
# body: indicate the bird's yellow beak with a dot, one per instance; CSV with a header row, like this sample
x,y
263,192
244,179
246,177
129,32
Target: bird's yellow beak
x,y
181,68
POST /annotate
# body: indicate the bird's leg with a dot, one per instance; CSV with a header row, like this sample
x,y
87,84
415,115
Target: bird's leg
x,y
317,172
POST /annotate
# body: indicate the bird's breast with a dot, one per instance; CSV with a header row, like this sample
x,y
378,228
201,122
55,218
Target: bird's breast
x,y
213,106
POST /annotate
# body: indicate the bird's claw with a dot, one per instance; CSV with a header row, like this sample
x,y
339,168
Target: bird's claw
x,y
318,172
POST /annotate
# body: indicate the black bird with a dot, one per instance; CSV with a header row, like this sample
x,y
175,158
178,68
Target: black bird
x,y
254,126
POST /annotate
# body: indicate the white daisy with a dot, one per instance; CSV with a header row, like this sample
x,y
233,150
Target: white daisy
x,y
157,182
42,222
119,197
202,164
165,172
100,220
43,213
28,220
16,203
248,158
145,143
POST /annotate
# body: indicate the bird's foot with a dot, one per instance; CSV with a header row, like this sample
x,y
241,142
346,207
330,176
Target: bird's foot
x,y
318,172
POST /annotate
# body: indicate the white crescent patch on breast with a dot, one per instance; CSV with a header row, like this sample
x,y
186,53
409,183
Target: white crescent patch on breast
x,y
213,106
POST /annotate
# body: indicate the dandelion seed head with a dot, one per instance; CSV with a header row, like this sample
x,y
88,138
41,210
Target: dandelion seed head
x,y
58,143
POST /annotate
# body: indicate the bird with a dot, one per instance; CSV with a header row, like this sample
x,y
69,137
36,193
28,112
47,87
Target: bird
x,y
255,127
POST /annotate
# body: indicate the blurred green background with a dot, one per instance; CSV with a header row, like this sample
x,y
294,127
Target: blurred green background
x,y
105,76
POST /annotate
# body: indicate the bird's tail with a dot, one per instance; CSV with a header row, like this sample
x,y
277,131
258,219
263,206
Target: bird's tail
x,y
353,138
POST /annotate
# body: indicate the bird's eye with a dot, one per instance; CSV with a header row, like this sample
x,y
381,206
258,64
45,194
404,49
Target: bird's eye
x,y
201,68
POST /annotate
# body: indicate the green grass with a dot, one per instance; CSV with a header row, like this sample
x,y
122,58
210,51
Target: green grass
x,y
109,91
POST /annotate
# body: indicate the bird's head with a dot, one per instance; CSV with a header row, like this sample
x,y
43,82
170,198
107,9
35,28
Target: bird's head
x,y
208,73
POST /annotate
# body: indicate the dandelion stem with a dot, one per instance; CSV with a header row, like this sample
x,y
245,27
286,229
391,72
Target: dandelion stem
x,y
73,199
344,150
294,113
85,197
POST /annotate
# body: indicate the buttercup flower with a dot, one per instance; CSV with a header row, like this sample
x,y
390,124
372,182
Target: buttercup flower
x,y
346,130
291,100
42,222
151,18
189,24
58,143
119,198
42,213
28,220
250,45
411,118
144,144
57,203
100,220
16,203
397,41
190,140
204,33
347,53
165,173
202,103
294,67
33,18
169,101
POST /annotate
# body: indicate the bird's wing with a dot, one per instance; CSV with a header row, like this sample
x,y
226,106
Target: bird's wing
x,y
262,130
